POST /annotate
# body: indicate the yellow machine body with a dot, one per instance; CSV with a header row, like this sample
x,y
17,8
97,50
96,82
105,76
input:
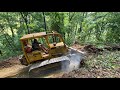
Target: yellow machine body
x,y
54,50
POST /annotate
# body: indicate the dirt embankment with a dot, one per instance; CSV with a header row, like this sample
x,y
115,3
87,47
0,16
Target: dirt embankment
x,y
9,62
10,67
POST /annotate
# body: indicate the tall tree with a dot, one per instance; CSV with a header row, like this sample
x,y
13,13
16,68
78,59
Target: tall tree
x,y
25,17
44,21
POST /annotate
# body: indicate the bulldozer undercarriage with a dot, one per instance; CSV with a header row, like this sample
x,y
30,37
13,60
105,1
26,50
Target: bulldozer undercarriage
x,y
48,66
63,63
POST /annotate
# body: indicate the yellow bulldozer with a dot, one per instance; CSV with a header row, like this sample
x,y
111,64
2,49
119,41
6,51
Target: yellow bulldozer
x,y
44,52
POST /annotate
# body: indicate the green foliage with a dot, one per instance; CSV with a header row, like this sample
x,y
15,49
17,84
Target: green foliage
x,y
107,60
84,27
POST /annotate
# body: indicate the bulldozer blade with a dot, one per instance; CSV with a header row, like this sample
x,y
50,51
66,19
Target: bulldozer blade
x,y
48,66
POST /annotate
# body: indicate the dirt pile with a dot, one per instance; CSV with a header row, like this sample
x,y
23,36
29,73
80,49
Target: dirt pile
x,y
9,62
77,46
11,67
113,48
92,49
88,48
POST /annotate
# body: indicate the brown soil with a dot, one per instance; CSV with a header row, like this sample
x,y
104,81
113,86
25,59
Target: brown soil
x,y
113,48
92,49
92,73
9,62
12,67
95,71
87,48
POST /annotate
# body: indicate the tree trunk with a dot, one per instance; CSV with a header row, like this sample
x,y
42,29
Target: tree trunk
x,y
13,35
84,15
8,20
26,21
1,52
44,21
70,18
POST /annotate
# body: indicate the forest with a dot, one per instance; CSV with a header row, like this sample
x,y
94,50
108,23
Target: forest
x,y
94,28
85,27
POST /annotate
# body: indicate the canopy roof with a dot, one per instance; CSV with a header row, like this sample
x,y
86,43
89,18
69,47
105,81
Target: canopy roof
x,y
33,35
38,35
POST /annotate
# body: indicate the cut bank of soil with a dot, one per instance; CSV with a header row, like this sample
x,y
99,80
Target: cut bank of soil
x,y
10,67
9,62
